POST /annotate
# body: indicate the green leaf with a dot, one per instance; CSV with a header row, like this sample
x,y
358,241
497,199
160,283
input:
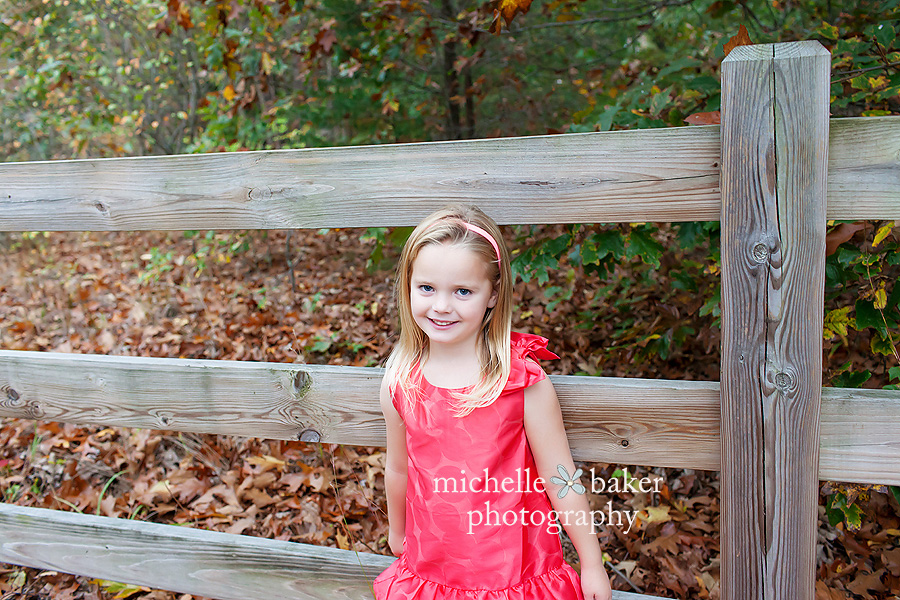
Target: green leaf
x,y
894,373
835,516
609,243
641,243
869,316
557,246
851,379
827,31
885,35
659,101
852,514
711,306
589,254
860,82
121,590
678,65
683,281
690,234
321,345
605,120
399,235
881,345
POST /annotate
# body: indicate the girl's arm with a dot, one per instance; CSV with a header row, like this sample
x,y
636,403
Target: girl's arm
x,y
550,447
395,471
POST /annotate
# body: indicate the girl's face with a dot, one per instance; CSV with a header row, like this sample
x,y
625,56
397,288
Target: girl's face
x,y
449,294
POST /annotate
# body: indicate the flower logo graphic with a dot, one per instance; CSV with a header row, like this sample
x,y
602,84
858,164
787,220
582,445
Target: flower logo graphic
x,y
567,482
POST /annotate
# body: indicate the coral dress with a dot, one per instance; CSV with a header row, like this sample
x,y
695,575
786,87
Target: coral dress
x,y
478,525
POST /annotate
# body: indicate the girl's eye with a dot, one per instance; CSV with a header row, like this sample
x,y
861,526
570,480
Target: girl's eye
x,y
464,292
425,288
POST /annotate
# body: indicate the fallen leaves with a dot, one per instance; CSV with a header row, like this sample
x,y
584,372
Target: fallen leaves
x,y
70,291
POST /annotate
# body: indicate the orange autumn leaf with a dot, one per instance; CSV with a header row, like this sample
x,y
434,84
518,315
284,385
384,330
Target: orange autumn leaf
x,y
742,38
508,9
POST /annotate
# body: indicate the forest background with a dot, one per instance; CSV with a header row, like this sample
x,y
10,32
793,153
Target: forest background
x,y
111,78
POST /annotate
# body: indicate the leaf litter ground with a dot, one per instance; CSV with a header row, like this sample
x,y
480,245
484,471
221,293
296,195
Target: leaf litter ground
x,y
306,296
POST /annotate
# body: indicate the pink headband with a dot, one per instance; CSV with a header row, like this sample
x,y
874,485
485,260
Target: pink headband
x,y
479,231
485,235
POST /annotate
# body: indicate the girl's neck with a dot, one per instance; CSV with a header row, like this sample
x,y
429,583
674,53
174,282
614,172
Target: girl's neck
x,y
450,368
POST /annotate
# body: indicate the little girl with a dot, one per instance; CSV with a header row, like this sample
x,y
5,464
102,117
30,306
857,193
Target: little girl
x,y
474,434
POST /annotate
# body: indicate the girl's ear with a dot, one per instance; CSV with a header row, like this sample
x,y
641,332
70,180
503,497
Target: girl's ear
x,y
492,302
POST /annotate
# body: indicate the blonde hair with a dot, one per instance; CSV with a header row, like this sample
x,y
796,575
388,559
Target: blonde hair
x,y
448,226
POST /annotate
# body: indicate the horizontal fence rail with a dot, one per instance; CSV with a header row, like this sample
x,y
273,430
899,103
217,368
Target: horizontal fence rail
x,y
183,559
662,175
193,561
617,420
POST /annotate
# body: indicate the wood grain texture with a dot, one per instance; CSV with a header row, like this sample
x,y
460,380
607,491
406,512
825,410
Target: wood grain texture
x,y
864,168
748,237
192,561
774,154
665,423
792,384
647,175
858,438
182,559
661,175
634,421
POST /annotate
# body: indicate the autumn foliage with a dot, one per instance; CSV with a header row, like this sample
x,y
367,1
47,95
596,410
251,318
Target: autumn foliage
x,y
636,300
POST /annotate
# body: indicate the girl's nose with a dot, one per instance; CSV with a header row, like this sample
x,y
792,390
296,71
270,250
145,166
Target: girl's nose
x,y
441,303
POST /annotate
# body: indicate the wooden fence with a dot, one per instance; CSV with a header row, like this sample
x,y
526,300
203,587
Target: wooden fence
x,y
774,171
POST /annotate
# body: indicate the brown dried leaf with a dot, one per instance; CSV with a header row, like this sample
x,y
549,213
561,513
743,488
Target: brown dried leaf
x,y
866,582
823,592
704,118
841,234
742,38
266,463
259,498
891,560
241,525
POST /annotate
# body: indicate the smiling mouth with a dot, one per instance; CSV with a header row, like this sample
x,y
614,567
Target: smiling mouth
x,y
442,323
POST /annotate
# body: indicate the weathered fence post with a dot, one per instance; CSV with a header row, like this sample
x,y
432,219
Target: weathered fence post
x,y
775,102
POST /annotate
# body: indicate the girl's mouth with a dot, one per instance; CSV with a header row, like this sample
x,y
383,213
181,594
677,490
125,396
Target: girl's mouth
x,y
437,323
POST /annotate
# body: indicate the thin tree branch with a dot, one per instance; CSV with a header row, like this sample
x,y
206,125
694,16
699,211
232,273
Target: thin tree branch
x,y
652,8
854,72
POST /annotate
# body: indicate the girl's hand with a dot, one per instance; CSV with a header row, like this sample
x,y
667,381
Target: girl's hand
x,y
595,584
397,542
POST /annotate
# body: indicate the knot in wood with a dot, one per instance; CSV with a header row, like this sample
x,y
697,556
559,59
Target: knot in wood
x,y
12,394
309,435
783,380
760,253
34,410
624,443
302,383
